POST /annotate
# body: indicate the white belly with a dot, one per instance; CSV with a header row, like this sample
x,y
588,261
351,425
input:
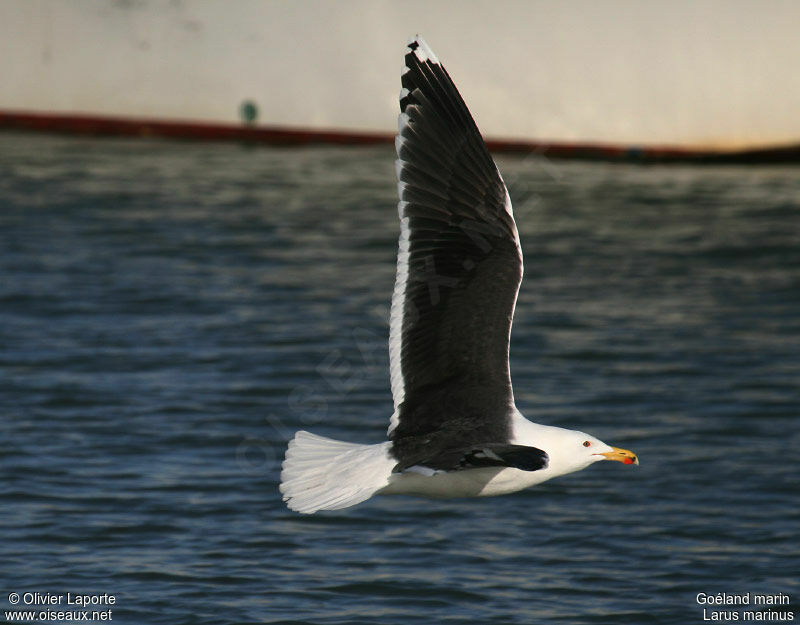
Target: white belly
x,y
468,483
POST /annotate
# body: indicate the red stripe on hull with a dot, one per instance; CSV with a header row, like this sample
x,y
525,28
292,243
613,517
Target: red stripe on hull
x,y
272,135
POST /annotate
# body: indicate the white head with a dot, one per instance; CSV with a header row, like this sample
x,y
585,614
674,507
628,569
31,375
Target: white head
x,y
569,450
573,451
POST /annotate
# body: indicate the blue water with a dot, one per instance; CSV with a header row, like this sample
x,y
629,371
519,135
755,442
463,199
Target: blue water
x,y
170,313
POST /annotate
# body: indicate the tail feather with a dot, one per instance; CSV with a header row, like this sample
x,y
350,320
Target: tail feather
x,y
325,474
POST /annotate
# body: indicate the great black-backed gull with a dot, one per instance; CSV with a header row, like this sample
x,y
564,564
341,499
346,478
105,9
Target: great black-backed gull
x,y
455,431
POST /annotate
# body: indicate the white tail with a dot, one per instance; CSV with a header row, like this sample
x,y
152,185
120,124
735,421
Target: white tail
x,y
324,474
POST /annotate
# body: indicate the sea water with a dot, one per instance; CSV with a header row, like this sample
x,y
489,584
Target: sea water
x,y
170,313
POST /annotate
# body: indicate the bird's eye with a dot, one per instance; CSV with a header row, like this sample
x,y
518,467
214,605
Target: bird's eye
x,y
587,444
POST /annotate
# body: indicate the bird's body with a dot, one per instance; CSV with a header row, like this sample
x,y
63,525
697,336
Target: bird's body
x,y
455,431
497,480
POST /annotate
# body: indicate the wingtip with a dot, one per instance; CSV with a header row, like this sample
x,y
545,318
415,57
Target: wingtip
x,y
421,49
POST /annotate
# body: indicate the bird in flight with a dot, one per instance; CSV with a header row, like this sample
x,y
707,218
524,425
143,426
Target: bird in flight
x,y
455,431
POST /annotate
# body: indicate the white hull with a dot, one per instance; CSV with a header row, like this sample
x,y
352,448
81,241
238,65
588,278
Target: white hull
x,y
712,74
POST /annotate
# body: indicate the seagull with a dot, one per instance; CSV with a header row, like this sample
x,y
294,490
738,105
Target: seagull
x,y
455,430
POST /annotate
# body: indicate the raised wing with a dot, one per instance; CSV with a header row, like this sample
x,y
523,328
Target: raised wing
x,y
458,274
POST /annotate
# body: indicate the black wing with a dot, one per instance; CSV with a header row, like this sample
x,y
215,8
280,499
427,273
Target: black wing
x,y
459,270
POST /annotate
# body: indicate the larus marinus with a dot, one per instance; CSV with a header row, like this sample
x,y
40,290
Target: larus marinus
x,y
455,431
